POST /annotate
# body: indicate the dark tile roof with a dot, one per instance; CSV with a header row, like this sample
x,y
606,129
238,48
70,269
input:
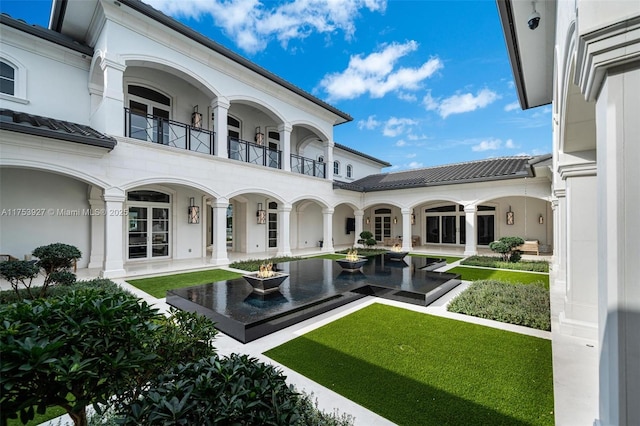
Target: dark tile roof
x,y
362,154
47,127
45,34
449,174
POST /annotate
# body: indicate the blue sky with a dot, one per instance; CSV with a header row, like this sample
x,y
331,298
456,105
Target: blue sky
x,y
427,82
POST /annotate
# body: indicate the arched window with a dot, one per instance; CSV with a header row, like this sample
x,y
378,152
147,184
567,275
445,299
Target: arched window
x,y
336,167
349,171
13,80
7,79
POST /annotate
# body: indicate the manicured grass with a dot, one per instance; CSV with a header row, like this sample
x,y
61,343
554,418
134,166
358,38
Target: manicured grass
x,y
158,286
449,259
254,264
475,274
414,368
526,305
497,262
329,256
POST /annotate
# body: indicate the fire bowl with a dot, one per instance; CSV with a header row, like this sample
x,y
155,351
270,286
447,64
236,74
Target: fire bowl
x,y
396,255
352,265
265,285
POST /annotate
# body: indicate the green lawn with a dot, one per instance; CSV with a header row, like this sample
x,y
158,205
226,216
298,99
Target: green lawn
x,y
158,286
475,274
436,371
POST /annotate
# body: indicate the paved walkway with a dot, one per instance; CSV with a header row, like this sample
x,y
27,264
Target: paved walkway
x,y
328,400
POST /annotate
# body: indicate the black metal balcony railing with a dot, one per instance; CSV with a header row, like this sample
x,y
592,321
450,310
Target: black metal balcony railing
x,y
167,132
307,166
253,153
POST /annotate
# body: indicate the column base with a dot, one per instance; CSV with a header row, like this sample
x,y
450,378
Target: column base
x,y
470,252
284,253
577,328
219,261
113,273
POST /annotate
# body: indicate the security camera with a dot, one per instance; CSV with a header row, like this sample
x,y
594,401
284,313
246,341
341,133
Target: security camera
x,y
534,20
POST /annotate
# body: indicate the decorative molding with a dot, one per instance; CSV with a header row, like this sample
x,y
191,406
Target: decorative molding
x,y
605,48
577,170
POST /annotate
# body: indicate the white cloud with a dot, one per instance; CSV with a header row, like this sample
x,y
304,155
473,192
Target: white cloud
x,y
415,165
370,123
409,97
252,23
397,126
377,75
459,103
509,144
400,143
512,106
493,144
413,155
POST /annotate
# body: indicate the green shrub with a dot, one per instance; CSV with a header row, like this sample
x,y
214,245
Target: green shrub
x,y
506,247
233,390
497,262
367,252
103,284
96,344
526,305
254,264
20,273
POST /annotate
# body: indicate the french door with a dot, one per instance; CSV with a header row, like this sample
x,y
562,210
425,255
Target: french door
x,y
148,232
272,225
382,227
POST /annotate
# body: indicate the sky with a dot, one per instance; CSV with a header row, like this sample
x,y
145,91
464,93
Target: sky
x,y
426,82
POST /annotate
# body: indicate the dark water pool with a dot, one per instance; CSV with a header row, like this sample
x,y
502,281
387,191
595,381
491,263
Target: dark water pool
x,y
314,286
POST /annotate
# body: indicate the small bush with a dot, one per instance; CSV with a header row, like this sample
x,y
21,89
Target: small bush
x,y
368,252
497,262
20,273
252,265
232,390
102,284
506,247
520,304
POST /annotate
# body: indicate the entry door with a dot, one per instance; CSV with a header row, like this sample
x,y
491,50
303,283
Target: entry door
x,y
433,229
148,232
449,229
382,227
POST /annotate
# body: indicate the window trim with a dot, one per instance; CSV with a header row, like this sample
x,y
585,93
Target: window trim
x,y
19,80
336,168
349,171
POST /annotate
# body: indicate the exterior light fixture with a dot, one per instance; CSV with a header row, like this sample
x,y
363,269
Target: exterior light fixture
x,y
368,220
511,219
194,212
413,218
196,118
261,215
541,219
395,219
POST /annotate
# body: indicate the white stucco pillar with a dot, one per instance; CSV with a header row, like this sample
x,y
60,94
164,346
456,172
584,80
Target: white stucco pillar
x,y
406,229
327,230
96,257
219,253
328,159
284,227
470,245
220,107
109,114
618,237
285,143
359,216
114,230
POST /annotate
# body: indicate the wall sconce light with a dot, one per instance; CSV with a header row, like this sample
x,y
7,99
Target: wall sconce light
x,y
196,118
194,212
259,136
261,215
368,220
510,217
413,218
541,219
395,219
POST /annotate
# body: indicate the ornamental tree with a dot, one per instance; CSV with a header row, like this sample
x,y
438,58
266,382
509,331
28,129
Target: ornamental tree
x,y
506,247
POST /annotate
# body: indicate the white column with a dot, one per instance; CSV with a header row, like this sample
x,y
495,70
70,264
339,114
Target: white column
x,y
109,115
284,226
618,149
359,215
114,229
220,107
219,255
96,257
328,159
285,143
406,229
327,230
470,245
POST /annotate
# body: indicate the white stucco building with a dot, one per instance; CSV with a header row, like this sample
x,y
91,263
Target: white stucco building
x,y
584,58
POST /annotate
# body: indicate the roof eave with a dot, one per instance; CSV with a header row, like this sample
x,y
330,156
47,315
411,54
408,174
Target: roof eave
x,y
108,144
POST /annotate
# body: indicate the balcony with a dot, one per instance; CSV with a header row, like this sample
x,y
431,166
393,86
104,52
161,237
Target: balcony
x,y
254,153
307,166
167,132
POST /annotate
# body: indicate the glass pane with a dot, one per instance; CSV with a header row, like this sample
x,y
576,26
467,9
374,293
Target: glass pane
x,y
433,229
387,226
7,86
449,229
463,230
377,228
147,196
485,229
7,71
150,94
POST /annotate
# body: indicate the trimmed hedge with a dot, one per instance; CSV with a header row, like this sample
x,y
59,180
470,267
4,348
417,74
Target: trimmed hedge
x,y
106,285
252,265
526,305
497,262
